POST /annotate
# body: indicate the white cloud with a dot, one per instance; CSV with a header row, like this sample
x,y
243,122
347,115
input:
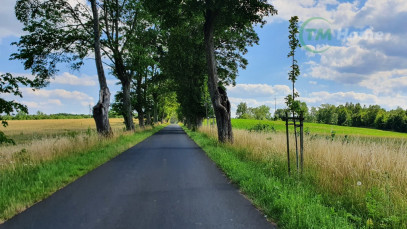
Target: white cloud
x,y
327,73
56,93
256,90
374,58
337,98
54,101
31,105
69,79
257,94
303,9
387,82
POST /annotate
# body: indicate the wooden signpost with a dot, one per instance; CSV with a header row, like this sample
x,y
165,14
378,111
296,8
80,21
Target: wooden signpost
x,y
299,158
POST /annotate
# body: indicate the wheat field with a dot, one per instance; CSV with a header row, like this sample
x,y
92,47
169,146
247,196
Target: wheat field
x,y
27,130
41,140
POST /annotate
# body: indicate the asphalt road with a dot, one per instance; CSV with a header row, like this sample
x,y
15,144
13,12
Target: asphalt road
x,y
166,181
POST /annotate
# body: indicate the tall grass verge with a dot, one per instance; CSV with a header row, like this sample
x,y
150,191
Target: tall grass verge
x,y
285,200
32,171
367,179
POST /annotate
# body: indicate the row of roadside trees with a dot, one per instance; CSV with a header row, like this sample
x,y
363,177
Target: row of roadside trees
x,y
163,53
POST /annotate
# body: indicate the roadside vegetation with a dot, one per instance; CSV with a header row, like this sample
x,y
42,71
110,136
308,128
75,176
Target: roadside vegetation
x,y
32,170
348,182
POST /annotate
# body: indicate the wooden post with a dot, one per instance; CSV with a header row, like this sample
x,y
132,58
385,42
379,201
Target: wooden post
x,y
302,140
288,142
296,143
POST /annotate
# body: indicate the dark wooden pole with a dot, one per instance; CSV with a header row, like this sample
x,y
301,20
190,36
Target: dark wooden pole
x,y
302,140
288,142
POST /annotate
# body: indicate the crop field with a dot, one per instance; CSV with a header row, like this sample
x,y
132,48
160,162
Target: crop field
x,y
366,178
316,128
27,130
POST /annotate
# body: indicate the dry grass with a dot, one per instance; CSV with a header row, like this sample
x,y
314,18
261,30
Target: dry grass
x,y
42,140
370,175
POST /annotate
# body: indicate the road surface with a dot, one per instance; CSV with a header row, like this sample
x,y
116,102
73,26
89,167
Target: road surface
x,y
166,181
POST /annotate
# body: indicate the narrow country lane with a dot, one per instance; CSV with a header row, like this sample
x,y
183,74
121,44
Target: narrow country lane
x,y
166,181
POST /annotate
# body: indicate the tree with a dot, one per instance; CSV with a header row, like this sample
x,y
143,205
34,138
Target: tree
x,y
261,113
227,27
237,19
344,117
381,120
242,110
312,116
371,113
280,114
59,32
11,85
184,64
294,106
397,120
327,114
303,108
101,109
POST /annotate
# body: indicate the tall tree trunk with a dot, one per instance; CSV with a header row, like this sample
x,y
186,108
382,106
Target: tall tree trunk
x,y
155,108
139,106
127,109
101,109
219,97
148,121
141,118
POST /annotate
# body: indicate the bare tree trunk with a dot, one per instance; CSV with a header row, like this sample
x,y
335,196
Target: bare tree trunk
x,y
101,109
148,121
140,102
141,118
155,113
219,97
127,109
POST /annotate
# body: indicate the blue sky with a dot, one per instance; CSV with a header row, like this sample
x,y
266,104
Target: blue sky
x,y
366,64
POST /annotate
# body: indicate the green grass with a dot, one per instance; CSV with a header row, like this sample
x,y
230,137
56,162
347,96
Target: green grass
x,y
317,128
288,201
28,183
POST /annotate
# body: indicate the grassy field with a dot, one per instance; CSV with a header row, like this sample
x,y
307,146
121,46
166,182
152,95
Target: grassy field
x,y
364,180
36,166
316,128
27,130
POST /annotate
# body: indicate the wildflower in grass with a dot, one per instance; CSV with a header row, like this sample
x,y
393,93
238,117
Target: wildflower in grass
x,y
359,183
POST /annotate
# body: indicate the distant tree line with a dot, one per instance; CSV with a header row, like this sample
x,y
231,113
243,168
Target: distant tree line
x,y
350,114
356,115
40,115
260,113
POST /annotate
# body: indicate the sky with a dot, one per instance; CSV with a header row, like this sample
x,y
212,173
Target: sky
x,y
352,51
